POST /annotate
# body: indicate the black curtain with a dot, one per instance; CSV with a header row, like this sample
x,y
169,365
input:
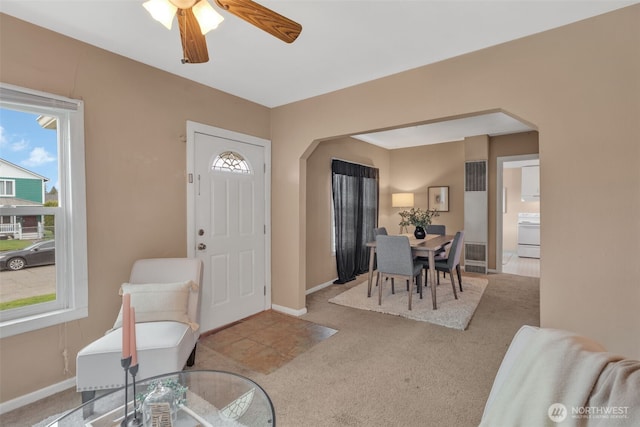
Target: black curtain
x,y
355,202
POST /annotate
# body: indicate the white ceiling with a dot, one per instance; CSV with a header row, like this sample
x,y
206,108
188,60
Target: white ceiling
x,y
446,131
343,42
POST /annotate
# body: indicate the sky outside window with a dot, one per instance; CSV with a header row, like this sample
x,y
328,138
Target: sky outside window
x,y
25,143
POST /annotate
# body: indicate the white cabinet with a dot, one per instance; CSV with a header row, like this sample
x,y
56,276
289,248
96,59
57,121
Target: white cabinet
x,y
530,183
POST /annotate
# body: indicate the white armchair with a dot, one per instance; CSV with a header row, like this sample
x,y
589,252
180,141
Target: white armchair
x,y
166,295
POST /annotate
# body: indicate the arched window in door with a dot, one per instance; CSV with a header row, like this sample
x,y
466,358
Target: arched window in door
x,y
230,161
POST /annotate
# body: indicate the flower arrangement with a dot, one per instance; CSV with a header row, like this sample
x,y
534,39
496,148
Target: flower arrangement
x,y
417,217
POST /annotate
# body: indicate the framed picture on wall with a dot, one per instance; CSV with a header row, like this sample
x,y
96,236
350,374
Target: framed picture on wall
x,y
439,198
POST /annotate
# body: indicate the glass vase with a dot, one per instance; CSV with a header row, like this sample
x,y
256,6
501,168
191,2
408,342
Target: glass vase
x,y
159,408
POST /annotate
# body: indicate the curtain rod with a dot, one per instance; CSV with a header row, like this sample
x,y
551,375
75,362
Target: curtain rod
x,y
351,161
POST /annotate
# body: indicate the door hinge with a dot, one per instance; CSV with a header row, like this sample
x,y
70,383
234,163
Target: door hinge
x,y
265,291
265,229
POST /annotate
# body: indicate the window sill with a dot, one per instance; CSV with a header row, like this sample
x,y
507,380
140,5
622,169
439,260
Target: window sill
x,y
32,323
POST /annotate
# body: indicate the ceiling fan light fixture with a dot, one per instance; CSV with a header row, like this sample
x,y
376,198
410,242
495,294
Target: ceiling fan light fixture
x,y
197,17
207,17
162,11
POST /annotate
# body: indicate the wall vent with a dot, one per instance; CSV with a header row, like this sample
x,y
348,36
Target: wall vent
x,y
475,176
475,252
475,269
476,216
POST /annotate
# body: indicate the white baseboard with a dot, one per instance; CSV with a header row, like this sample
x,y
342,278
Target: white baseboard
x,y
27,399
297,313
289,311
321,286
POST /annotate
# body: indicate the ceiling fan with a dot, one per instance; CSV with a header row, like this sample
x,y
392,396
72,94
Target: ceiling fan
x,y
197,17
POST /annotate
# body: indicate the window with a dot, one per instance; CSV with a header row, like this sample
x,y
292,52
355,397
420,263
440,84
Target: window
x,y
42,209
231,162
355,191
6,187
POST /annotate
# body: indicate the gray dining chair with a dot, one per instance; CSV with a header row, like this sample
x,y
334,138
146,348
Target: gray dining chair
x,y
381,231
395,260
451,262
437,229
440,230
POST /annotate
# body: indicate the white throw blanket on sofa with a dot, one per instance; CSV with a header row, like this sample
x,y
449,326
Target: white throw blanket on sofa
x,y
561,379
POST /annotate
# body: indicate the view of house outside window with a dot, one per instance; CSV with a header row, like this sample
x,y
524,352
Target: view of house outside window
x,y
28,179
43,253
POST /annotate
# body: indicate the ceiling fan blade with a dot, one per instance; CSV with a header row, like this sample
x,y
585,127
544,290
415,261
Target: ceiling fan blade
x,y
266,19
194,45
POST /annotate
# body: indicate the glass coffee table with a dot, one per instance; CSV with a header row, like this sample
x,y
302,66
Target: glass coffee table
x,y
206,398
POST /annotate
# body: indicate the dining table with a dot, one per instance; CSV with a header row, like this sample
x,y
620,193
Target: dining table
x,y
426,248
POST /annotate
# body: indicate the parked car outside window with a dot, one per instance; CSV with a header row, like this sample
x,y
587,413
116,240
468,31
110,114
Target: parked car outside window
x,y
41,253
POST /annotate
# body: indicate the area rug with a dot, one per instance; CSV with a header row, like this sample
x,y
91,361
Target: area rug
x,y
451,313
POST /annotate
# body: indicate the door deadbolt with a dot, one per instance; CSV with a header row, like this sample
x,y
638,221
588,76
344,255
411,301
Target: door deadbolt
x,y
201,232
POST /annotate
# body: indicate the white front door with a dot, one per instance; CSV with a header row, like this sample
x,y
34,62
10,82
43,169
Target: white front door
x,y
229,227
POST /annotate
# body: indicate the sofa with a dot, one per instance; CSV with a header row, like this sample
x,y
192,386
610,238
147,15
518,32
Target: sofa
x,y
551,377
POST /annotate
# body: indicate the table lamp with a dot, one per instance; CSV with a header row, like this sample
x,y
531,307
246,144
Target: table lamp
x,y
402,200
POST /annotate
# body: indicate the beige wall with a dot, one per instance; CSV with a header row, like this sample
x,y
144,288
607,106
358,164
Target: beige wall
x,y
579,86
135,117
416,169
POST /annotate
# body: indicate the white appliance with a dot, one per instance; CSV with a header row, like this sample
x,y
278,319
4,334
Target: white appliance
x,y
529,235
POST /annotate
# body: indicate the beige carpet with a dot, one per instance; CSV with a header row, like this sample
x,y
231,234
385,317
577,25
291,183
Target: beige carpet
x,y
377,371
451,312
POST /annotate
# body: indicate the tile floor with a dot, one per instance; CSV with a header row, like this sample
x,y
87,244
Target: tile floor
x,y
513,264
266,341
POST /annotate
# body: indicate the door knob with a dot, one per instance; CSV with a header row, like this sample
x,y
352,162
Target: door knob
x,y
202,246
